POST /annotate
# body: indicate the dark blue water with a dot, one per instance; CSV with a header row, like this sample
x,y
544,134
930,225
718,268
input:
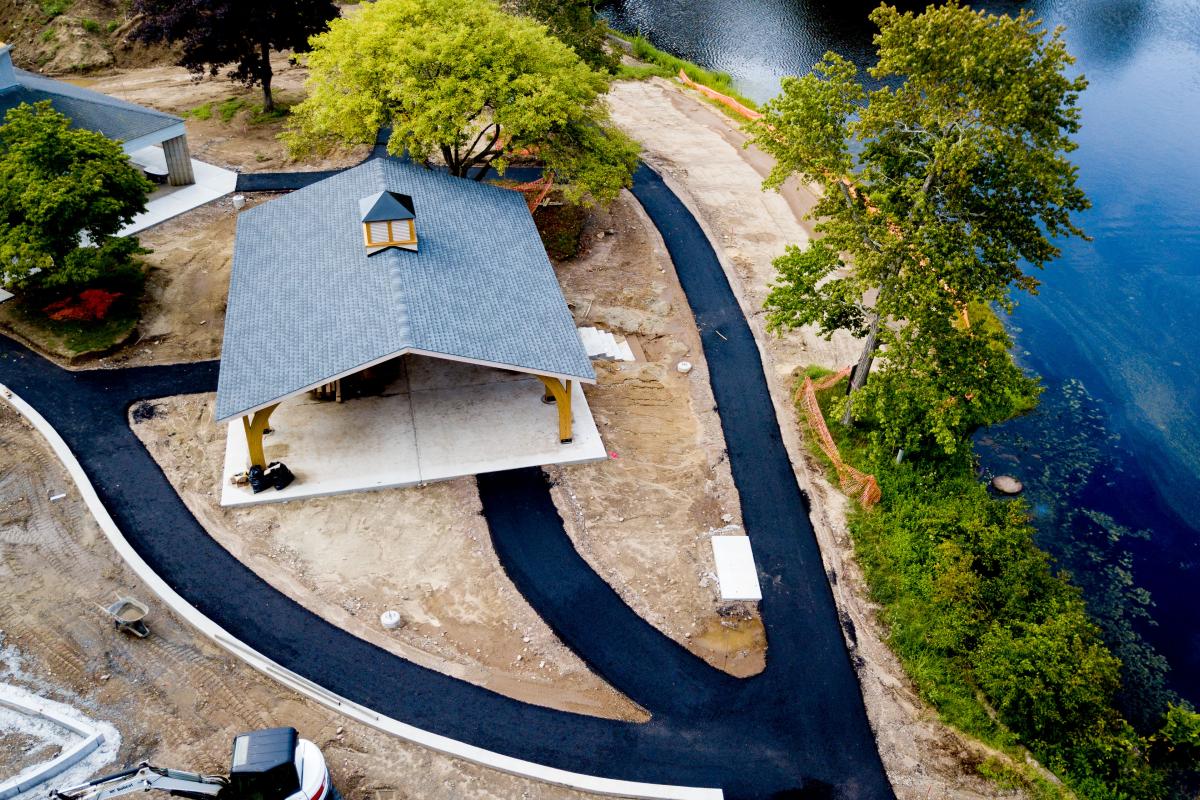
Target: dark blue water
x,y
1116,443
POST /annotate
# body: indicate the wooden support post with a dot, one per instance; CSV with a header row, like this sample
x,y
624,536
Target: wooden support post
x,y
562,398
255,428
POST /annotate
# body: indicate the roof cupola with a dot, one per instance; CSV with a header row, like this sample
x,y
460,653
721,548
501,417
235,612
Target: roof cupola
x,y
388,220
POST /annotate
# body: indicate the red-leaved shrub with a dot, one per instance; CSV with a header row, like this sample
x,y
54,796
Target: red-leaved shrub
x,y
90,305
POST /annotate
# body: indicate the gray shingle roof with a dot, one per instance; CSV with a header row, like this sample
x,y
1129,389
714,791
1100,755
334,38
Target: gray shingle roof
x,y
307,304
114,118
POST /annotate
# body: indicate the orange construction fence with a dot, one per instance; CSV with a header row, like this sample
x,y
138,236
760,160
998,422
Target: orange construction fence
x,y
859,485
535,191
723,99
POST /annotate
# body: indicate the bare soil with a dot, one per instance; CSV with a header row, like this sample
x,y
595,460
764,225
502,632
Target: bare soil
x,y
424,552
87,35
246,141
182,314
700,153
19,751
187,283
177,699
643,519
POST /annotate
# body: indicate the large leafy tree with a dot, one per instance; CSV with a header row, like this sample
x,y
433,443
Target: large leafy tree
x,y
64,195
576,24
466,82
243,33
940,187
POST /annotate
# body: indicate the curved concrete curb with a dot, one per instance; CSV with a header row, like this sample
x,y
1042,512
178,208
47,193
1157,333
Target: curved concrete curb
x,y
91,740
441,744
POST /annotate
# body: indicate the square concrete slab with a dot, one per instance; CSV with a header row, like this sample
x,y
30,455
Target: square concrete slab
x,y
438,420
736,572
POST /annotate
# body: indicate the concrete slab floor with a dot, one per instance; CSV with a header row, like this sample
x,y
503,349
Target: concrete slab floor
x,y
166,202
438,420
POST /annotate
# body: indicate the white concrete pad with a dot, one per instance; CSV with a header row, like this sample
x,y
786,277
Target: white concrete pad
x,y
736,572
171,201
509,427
439,420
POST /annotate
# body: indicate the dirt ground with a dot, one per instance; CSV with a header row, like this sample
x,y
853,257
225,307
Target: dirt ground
x,y
187,282
183,307
244,142
699,151
61,43
20,750
177,699
644,518
422,551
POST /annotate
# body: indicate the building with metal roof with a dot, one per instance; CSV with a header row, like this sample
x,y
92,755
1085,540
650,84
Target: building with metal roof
x,y
382,260
136,127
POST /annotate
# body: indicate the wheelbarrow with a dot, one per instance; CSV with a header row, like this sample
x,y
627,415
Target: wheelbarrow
x,y
127,615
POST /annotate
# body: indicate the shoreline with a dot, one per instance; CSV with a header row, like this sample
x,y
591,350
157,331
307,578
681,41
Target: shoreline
x,y
700,155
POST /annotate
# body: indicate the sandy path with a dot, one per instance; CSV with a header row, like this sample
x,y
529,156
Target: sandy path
x,y
643,520
177,699
424,552
700,152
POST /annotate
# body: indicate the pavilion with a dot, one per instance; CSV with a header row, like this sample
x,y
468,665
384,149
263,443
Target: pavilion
x,y
136,127
423,301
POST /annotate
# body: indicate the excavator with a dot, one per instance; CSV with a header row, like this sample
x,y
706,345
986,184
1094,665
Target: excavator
x,y
269,764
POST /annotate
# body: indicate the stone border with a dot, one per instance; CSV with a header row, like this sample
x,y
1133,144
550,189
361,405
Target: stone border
x,y
92,739
443,744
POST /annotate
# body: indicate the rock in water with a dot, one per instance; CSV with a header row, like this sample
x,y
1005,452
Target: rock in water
x,y
1007,484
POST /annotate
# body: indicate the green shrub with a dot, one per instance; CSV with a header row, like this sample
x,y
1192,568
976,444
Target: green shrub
x,y
55,8
112,25
561,227
994,638
89,25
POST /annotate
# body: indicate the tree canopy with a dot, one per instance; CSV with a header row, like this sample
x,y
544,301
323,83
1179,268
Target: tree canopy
x,y
64,195
940,188
575,24
242,33
466,82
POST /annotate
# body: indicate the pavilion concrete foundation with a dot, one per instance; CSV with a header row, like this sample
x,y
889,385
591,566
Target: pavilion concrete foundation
x,y
440,420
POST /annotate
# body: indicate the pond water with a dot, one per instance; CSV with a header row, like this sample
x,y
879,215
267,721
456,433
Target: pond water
x,y
1114,448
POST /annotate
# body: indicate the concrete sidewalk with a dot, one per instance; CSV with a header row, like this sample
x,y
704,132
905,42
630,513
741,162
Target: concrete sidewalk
x,y
171,201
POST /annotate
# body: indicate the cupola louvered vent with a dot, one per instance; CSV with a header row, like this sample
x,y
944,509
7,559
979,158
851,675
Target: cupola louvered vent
x,y
388,220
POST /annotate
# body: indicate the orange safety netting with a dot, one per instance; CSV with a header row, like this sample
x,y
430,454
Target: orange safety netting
x,y
723,99
535,191
859,485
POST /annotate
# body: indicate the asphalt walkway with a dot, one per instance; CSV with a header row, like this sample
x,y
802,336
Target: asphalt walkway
x,y
799,730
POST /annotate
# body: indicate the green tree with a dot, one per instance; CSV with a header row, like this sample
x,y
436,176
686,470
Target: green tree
x,y
212,34
941,381
462,80
1177,742
937,186
64,195
575,23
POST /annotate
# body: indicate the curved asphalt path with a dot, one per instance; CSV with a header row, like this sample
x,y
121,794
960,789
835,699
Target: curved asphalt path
x,y
797,730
